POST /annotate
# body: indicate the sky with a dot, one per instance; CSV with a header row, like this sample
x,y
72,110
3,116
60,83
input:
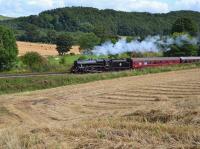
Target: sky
x,y
16,8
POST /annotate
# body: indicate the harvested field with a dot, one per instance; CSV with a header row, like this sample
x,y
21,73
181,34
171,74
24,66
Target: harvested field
x,y
149,111
43,49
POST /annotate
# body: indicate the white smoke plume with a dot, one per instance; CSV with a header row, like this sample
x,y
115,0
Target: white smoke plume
x,y
149,44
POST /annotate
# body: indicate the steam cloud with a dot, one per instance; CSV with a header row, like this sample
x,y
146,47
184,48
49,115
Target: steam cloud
x,y
149,44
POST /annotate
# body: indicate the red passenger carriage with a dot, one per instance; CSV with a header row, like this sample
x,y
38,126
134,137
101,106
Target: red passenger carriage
x,y
190,59
153,62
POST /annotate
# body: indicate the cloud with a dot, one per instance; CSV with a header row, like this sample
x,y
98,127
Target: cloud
x,y
28,7
187,5
42,3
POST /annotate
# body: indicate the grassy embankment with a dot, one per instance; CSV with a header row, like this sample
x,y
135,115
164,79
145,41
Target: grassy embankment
x,y
14,85
53,64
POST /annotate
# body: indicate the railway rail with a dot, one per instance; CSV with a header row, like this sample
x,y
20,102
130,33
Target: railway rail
x,y
105,65
7,76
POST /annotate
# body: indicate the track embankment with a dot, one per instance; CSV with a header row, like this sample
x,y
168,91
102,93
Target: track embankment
x,y
27,75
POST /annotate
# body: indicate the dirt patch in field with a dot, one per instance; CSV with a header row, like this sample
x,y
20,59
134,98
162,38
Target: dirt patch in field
x,y
149,111
43,49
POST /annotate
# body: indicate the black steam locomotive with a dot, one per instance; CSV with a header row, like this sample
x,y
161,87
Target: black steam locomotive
x,y
101,65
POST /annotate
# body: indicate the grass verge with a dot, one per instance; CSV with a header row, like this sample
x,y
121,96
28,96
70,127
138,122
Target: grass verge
x,y
14,85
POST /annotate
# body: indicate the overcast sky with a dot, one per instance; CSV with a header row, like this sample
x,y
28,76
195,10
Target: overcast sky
x,y
16,8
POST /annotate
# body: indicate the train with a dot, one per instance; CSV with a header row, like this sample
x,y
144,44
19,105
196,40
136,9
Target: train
x,y
106,65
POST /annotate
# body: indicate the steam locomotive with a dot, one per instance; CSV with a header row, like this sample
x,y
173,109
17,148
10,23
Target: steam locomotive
x,y
105,65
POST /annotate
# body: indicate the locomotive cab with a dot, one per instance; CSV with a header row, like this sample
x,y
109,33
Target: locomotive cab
x,y
120,64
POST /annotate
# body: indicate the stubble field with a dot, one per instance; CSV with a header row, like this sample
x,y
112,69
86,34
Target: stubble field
x,y
43,49
150,111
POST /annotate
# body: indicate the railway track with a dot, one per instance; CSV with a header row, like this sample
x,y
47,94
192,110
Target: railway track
x,y
7,76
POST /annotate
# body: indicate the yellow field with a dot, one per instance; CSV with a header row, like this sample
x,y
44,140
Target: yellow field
x,y
43,49
150,111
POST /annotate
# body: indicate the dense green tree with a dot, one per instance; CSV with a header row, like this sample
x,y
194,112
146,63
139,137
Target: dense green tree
x,y
88,41
130,38
8,49
51,36
104,35
86,27
183,46
185,25
100,31
199,50
64,43
32,33
182,50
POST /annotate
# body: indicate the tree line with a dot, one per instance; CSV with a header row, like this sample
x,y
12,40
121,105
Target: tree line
x,y
105,24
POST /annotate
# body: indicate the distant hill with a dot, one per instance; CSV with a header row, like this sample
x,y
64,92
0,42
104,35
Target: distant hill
x,y
85,19
4,18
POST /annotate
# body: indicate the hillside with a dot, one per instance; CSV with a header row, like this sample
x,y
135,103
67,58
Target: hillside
x,y
82,19
4,18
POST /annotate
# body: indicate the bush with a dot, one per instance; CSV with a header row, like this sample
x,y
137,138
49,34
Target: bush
x,y
63,60
83,57
35,62
8,49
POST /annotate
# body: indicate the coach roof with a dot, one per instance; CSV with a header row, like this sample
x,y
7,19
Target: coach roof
x,y
156,59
